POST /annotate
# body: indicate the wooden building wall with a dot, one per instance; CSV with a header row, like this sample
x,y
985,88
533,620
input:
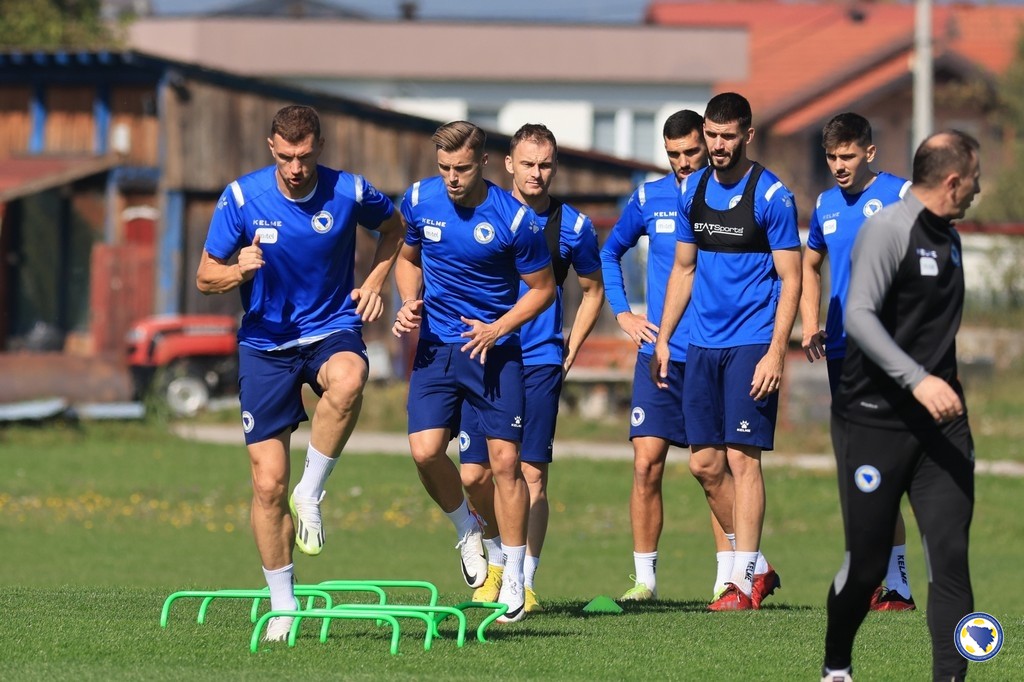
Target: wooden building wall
x,y
15,122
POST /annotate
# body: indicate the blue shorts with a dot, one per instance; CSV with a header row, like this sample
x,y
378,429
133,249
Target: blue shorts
x,y
543,386
270,382
444,377
716,398
658,412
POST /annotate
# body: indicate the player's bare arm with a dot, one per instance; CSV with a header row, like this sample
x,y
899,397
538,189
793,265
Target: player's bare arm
x,y
483,336
369,304
677,298
592,286
813,336
218,276
409,280
768,372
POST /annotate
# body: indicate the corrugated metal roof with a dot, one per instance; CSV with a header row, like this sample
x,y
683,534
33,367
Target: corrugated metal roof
x,y
28,175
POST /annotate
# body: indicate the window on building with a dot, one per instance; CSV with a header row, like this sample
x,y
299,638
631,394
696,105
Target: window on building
x,y
485,117
604,132
643,142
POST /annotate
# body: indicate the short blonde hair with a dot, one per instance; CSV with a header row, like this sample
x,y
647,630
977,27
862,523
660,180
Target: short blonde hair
x,y
451,137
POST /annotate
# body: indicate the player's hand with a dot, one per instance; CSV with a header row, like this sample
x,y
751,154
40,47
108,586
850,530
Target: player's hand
x,y
481,338
250,259
659,364
408,317
637,328
939,398
814,345
369,305
767,375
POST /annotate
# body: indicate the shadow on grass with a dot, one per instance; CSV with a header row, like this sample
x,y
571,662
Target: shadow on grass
x,y
651,607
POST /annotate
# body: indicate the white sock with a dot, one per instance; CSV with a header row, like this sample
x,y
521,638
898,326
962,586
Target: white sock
x,y
896,577
731,537
646,566
530,569
318,467
462,519
280,581
514,557
724,573
743,571
495,557
762,565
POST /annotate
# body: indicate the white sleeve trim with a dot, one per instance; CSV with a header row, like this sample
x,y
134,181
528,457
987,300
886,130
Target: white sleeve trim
x,y
642,194
772,190
518,219
579,223
904,188
360,184
415,193
236,191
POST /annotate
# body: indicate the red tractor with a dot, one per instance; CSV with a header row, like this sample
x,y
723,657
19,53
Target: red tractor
x,y
184,360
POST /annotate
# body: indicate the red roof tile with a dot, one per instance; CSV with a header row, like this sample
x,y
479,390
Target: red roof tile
x,y
804,54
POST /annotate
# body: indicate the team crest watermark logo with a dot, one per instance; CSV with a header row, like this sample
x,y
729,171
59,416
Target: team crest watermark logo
x,y
483,233
637,416
248,421
872,207
978,636
322,222
464,441
867,478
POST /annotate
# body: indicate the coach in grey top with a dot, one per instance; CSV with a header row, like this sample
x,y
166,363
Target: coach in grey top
x,y
899,423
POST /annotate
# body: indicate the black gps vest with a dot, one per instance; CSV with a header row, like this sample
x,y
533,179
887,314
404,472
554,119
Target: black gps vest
x,y
554,239
732,230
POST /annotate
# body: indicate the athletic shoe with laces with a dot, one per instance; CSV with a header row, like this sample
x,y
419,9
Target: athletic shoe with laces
x,y
885,599
732,599
278,629
489,591
836,675
474,561
764,585
532,605
309,531
512,595
639,592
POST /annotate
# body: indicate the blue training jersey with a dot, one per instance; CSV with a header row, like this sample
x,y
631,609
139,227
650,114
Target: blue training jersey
x,y
303,291
735,295
652,210
836,220
542,338
471,257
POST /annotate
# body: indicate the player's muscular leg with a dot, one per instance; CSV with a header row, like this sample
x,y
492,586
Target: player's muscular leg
x,y
646,511
709,466
271,521
439,476
342,379
748,511
536,476
511,497
479,484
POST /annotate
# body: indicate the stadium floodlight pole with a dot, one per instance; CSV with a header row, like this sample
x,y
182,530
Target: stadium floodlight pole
x,y
923,72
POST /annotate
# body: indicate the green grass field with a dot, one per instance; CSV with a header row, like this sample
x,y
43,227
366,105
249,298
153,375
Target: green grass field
x,y
99,523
